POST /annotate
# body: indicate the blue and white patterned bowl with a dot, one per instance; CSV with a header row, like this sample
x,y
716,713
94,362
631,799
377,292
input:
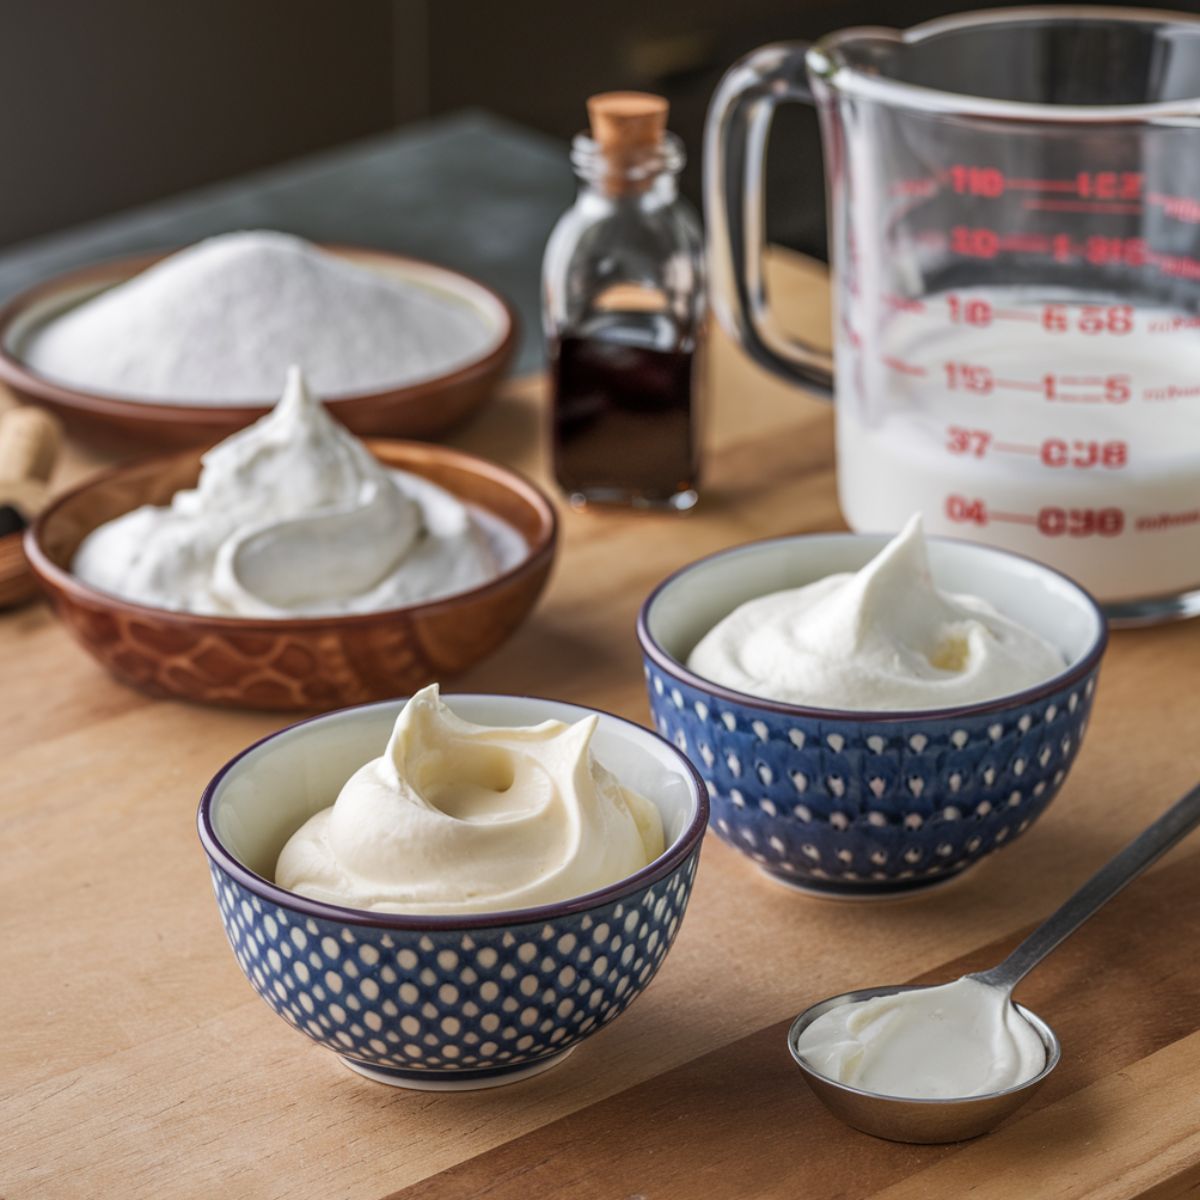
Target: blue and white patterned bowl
x,y
454,1001
862,804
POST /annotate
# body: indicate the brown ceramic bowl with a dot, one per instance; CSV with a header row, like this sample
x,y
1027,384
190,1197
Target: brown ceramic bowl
x,y
310,663
421,410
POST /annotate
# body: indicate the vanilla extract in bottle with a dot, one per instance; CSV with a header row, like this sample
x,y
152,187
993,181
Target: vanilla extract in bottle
x,y
623,307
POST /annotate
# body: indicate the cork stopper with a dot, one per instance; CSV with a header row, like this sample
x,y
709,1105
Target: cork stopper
x,y
626,126
627,120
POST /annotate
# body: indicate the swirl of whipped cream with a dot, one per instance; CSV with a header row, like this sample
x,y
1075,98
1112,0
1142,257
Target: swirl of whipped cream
x,y
293,516
463,818
885,638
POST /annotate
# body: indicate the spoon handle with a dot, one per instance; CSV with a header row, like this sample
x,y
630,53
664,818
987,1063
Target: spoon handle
x,y
1176,823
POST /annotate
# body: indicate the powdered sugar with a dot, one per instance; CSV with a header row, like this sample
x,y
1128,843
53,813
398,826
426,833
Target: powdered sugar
x,y
220,322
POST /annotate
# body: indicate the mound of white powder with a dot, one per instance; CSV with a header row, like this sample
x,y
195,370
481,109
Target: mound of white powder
x,y
221,322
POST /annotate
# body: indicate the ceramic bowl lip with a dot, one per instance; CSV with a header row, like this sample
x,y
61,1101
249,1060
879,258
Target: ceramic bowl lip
x,y
1071,674
16,371
684,845
50,574
1046,1034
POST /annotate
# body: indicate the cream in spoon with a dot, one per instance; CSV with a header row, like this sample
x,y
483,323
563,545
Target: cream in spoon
x,y
962,1039
885,637
293,516
461,818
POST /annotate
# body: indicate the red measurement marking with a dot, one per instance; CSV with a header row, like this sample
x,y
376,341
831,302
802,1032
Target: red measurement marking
x,y
1117,208
1031,243
1173,324
1180,208
1042,185
1110,185
1080,522
1091,319
1171,391
1178,265
1013,518
914,187
1168,520
903,303
961,508
904,368
1116,389
974,242
972,378
967,441
969,312
1083,455
1016,448
975,181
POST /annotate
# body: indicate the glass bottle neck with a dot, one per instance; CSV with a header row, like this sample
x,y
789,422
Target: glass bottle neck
x,y
645,175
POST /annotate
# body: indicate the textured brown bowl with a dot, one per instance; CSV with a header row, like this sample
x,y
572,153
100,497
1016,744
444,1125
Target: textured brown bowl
x,y
311,663
421,410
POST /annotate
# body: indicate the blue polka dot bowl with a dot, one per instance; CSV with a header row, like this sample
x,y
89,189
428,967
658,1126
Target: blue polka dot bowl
x,y
442,1002
870,804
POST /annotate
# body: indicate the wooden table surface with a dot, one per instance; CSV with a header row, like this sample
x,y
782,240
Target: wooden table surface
x,y
136,1061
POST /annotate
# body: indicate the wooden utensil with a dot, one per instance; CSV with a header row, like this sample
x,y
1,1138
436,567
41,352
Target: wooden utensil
x,y
29,444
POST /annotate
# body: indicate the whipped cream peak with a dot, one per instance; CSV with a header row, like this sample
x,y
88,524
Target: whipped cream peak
x,y
293,516
964,1038
303,456
885,638
455,817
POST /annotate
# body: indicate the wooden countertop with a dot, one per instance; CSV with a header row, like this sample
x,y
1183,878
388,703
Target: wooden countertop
x,y
136,1061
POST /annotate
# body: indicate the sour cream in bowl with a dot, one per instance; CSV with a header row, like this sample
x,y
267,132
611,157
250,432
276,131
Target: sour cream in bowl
x,y
453,892
871,715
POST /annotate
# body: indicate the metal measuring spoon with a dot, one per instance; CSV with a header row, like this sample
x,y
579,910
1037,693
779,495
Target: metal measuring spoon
x,y
901,1119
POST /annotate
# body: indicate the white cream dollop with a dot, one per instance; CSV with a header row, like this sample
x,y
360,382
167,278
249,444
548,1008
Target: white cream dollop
x,y
964,1038
885,638
293,516
463,818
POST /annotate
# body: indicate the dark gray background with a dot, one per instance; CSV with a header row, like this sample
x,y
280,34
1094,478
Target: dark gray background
x,y
435,127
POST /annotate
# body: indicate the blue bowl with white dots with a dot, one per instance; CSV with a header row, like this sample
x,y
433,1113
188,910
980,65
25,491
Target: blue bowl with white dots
x,y
442,1002
871,804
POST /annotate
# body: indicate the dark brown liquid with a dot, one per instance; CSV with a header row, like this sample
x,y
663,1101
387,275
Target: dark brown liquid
x,y
624,421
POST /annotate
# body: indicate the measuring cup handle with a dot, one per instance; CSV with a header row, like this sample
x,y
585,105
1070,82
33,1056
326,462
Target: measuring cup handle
x,y
735,142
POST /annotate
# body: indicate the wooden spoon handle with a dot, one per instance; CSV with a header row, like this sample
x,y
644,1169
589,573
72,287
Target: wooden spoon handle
x,y
29,442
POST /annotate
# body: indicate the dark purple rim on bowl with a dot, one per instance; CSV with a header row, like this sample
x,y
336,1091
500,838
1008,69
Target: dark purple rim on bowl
x,y
665,864
672,666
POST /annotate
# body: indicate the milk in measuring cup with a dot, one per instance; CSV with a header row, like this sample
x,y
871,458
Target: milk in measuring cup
x,y
1065,430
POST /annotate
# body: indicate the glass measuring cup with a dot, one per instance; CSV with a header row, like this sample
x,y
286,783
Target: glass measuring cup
x,y
1014,212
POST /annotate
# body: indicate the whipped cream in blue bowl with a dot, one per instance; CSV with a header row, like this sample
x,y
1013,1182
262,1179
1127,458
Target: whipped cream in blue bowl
x,y
872,715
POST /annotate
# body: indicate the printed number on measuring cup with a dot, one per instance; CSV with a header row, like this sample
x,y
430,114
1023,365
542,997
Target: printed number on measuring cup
x,y
1090,319
959,508
969,312
1057,452
969,377
1080,522
1109,185
1114,389
967,441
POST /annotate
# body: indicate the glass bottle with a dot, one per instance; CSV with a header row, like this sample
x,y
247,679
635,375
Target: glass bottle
x,y
623,305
